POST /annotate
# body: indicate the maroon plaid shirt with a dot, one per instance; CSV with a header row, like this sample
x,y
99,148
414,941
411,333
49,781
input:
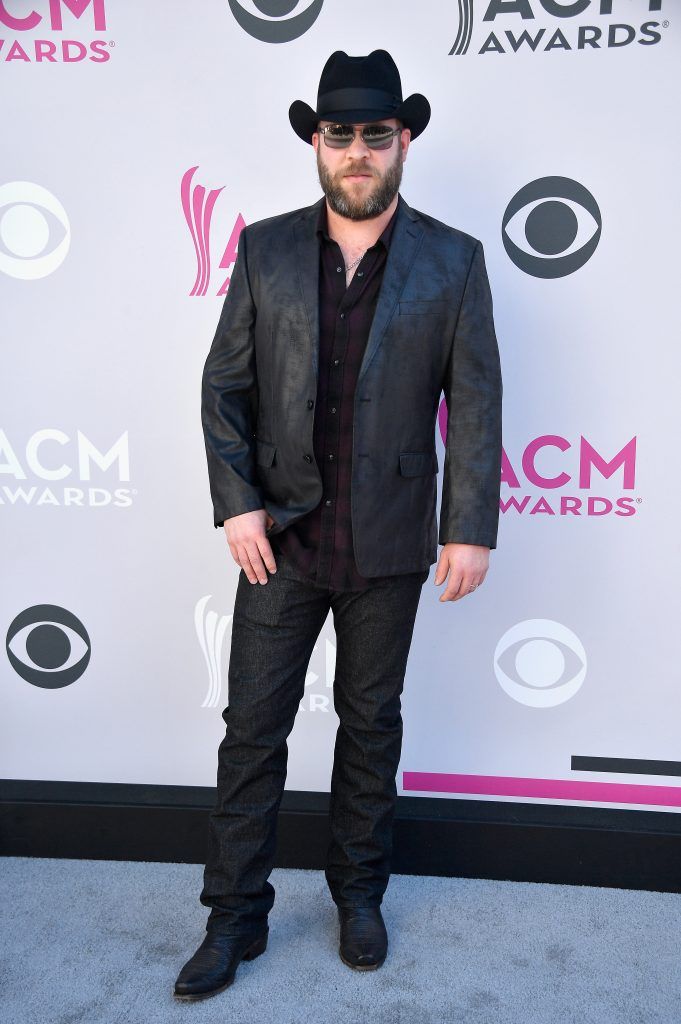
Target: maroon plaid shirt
x,y
320,543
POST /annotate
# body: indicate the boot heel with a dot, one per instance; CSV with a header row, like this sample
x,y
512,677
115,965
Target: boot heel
x,y
258,947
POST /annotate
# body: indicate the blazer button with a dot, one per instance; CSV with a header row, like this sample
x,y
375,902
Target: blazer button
x,y
308,458
310,403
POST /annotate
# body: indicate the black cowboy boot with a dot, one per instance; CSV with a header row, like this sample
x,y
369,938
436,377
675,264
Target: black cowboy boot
x,y
363,937
213,965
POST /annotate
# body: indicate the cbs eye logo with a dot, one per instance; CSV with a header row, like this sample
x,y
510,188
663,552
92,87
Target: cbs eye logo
x,y
48,646
276,26
30,219
559,220
540,663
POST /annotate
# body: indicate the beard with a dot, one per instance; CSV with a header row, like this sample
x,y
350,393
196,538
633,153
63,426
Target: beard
x,y
345,204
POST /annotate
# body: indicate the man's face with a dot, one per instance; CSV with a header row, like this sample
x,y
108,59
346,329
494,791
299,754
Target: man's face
x,y
359,182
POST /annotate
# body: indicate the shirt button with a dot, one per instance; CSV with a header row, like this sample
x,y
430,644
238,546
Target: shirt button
x,y
336,362
339,270
342,316
310,403
360,273
333,408
328,501
330,458
308,458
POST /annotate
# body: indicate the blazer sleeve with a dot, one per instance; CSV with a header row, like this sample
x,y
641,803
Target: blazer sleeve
x,y
229,398
473,393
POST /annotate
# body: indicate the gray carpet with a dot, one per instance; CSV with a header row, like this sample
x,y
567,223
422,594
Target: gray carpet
x,y
101,942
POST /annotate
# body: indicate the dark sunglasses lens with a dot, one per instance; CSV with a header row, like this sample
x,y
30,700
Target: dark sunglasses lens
x,y
339,135
378,136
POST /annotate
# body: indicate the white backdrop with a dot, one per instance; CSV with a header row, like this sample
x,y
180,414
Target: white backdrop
x,y
138,137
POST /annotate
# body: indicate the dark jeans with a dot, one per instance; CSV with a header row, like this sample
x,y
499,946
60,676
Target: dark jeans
x,y
274,629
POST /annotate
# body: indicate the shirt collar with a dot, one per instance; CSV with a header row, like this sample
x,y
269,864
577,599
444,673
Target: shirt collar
x,y
323,227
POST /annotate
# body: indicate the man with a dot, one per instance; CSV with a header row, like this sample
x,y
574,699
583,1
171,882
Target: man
x,y
343,324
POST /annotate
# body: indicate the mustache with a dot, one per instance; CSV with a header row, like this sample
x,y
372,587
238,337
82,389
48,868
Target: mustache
x,y
359,169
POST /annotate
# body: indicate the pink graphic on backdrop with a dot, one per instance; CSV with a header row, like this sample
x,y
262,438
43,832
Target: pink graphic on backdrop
x,y
197,213
582,467
53,18
229,255
590,457
76,7
69,51
198,204
546,789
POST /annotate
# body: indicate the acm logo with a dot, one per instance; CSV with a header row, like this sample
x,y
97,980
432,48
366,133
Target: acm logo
x,y
562,36
55,15
50,17
198,204
54,465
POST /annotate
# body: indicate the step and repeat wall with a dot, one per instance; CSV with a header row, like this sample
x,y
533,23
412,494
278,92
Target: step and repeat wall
x,y
138,139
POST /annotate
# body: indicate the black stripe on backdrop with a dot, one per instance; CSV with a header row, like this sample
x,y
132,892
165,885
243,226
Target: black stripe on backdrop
x,y
625,765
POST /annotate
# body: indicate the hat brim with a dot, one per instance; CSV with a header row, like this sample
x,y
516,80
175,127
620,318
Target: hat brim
x,y
414,113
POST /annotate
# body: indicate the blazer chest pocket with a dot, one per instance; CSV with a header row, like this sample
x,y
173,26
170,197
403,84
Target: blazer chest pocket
x,y
264,453
421,307
418,463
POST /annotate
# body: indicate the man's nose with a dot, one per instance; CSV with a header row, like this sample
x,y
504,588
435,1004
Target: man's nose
x,y
358,147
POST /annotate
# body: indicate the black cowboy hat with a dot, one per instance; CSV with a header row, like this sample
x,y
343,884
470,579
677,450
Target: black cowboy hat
x,y
357,90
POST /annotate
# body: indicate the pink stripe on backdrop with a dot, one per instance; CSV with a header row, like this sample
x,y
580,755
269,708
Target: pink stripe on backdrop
x,y
553,789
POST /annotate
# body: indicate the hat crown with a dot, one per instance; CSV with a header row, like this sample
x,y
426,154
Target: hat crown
x,y
376,71
358,90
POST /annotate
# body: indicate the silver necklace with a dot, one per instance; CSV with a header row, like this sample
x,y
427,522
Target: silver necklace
x,y
351,265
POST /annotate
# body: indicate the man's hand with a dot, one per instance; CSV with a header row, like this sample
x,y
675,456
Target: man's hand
x,y
467,565
249,546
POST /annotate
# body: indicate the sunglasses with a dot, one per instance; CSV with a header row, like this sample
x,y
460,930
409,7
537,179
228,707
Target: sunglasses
x,y
375,136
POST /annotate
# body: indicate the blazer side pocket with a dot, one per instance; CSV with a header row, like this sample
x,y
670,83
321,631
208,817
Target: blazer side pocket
x,y
418,463
264,453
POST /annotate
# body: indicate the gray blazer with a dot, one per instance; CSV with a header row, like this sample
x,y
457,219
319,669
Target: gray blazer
x,y
433,331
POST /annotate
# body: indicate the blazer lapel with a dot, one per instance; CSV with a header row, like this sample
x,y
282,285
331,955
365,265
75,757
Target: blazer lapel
x,y
307,262
404,245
